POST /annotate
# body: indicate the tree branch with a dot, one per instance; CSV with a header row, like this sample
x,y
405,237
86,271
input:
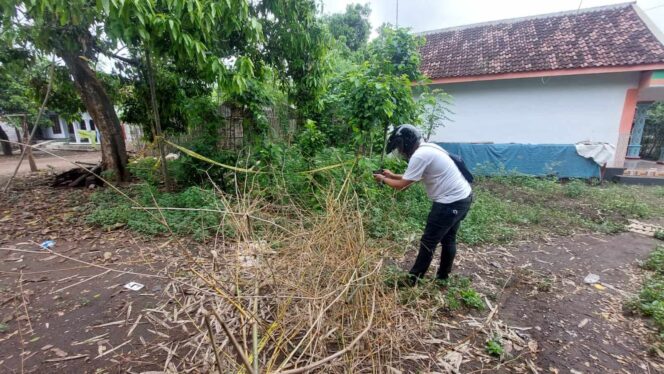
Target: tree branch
x,y
110,54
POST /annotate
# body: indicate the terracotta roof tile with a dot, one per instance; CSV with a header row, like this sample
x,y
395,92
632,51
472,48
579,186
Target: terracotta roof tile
x,y
598,37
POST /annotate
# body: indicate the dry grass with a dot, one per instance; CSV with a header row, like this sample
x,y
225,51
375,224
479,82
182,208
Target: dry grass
x,y
294,298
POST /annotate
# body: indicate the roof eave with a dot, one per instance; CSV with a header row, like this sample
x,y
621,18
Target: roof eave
x,y
549,73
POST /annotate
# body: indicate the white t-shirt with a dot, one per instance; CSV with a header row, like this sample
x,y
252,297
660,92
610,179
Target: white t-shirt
x,y
441,177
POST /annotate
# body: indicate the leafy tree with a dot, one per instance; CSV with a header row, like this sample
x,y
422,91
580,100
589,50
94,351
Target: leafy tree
x,y
374,101
370,96
174,88
435,111
70,30
396,51
78,30
351,27
297,46
653,133
24,79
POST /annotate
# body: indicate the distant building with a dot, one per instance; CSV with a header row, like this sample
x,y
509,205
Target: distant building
x,y
549,81
77,133
70,131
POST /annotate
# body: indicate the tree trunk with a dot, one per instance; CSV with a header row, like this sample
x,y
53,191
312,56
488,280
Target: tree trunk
x,y
99,106
158,135
6,147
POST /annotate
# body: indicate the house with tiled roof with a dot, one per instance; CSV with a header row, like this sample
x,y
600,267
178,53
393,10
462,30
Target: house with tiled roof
x,y
553,81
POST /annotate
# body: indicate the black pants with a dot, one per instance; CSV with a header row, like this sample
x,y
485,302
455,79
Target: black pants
x,y
442,226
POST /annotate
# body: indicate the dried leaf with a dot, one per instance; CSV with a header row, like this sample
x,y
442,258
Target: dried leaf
x,y
532,345
59,352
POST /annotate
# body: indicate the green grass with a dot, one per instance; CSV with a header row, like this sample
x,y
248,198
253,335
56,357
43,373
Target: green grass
x,y
506,208
655,261
453,294
108,209
659,234
494,347
650,301
512,208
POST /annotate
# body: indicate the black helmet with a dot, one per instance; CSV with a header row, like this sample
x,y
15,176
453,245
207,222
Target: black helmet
x,y
405,138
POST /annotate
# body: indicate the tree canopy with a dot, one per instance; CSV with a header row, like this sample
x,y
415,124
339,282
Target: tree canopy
x,y
176,62
352,27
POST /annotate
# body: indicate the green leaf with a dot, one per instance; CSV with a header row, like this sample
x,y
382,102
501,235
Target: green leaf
x,y
144,34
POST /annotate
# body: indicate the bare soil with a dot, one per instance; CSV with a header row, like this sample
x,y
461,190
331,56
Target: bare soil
x,y
74,310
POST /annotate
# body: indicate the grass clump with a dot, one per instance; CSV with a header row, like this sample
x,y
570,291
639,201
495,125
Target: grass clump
x,y
659,234
650,301
494,347
655,261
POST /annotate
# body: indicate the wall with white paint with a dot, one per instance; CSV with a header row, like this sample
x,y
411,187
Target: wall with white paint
x,y
84,124
10,130
51,133
553,110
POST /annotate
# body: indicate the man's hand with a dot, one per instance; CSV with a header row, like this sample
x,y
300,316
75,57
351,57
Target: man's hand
x,y
388,173
380,178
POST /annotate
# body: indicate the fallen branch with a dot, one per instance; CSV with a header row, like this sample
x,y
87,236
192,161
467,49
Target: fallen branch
x,y
231,337
214,344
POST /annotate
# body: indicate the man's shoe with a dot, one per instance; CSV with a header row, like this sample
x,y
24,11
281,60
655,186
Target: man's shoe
x,y
442,282
408,280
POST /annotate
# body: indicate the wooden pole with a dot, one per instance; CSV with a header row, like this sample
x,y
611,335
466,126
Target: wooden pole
x,y
27,137
18,136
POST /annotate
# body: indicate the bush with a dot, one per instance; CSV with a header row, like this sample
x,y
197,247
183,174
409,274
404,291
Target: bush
x,y
146,169
650,301
494,347
655,261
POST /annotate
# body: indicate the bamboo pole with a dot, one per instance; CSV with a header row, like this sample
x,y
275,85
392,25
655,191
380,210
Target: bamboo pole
x,y
158,135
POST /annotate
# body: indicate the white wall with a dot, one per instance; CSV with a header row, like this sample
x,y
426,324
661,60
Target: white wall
x,y
50,134
10,130
555,110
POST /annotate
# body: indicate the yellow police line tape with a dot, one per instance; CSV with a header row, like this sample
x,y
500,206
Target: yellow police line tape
x,y
242,170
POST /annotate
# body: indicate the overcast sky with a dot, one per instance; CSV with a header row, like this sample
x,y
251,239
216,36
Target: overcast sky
x,y
423,15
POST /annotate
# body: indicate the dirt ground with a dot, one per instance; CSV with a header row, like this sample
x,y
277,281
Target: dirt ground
x,y
45,162
68,311
579,328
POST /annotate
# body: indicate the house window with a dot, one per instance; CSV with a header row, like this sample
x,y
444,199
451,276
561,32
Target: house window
x,y
92,125
70,128
56,125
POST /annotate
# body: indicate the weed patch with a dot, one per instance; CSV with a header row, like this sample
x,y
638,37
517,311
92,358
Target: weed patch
x,y
109,210
494,347
650,301
505,208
